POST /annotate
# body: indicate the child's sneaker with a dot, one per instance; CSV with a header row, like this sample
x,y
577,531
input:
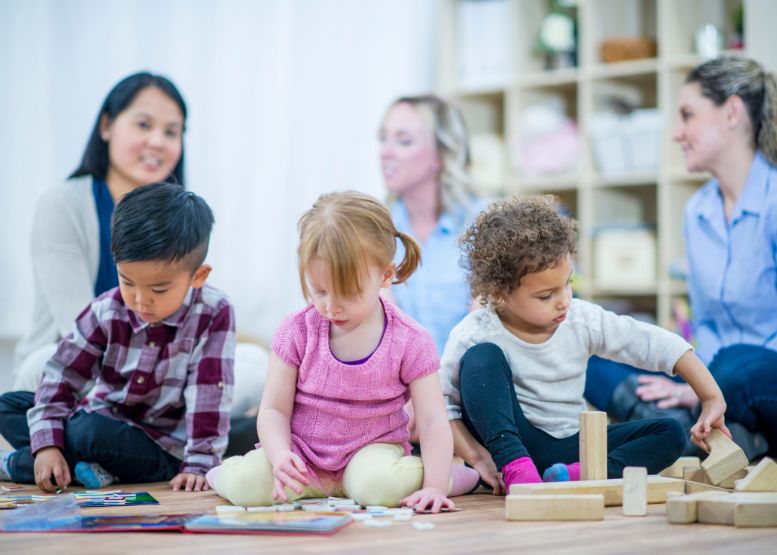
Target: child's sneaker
x,y
93,476
5,467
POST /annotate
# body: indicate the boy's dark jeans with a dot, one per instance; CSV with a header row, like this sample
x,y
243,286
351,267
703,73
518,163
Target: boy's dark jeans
x,y
491,412
123,450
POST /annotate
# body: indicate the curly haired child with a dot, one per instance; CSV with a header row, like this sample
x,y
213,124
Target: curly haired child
x,y
514,371
331,420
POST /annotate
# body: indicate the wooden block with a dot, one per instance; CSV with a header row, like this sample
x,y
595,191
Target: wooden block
x,y
682,509
725,457
634,491
657,488
700,475
554,507
762,478
723,510
756,513
699,487
593,445
676,470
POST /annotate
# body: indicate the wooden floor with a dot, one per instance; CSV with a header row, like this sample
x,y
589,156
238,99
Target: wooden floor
x,y
478,528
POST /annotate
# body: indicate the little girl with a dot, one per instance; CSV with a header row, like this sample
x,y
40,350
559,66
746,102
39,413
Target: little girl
x,y
331,420
514,371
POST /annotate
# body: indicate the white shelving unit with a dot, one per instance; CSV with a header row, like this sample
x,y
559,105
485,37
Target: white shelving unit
x,y
649,198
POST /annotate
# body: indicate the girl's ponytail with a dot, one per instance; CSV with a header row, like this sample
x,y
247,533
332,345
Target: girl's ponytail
x,y
412,258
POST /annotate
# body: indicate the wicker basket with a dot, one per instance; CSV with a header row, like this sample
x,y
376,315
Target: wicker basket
x,y
621,49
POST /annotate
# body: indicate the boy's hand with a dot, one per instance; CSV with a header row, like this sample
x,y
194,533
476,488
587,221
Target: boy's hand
x,y
189,482
50,462
289,471
429,498
712,416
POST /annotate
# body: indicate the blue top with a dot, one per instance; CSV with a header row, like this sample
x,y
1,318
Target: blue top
x,y
437,294
733,265
107,277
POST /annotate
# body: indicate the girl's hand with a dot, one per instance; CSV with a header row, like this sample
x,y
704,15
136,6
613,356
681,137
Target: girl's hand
x,y
429,498
189,482
290,472
488,473
667,392
712,416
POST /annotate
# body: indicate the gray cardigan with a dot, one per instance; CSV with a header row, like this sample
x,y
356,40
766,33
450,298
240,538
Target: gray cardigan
x,y
65,254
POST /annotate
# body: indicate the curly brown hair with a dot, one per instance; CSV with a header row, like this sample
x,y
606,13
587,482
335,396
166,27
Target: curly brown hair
x,y
512,238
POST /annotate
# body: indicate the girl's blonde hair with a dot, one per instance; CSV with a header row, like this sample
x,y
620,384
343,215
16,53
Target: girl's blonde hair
x,y
350,230
452,142
729,76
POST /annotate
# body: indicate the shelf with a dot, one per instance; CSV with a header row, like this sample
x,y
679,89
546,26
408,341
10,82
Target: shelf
x,y
550,78
650,291
624,69
689,61
565,182
681,174
625,180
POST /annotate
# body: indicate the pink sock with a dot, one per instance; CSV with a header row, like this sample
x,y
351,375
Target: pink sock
x,y
520,471
574,472
463,479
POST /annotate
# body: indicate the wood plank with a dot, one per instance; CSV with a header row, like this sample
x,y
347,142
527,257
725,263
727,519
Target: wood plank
x,y
634,491
699,487
762,478
699,475
725,457
612,489
593,445
723,509
554,507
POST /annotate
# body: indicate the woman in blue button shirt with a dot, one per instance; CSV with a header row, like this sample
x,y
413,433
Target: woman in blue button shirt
x,y
424,155
728,127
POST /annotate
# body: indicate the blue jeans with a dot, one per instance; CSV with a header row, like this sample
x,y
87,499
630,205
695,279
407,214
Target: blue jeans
x,y
121,449
492,413
747,376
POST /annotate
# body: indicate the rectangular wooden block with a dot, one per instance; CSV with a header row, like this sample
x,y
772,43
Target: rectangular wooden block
x,y
754,509
593,445
725,457
676,470
761,478
699,487
682,509
700,475
634,491
554,507
612,489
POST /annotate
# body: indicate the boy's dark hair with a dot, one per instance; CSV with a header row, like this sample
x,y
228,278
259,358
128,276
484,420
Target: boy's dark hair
x,y
513,238
95,160
162,222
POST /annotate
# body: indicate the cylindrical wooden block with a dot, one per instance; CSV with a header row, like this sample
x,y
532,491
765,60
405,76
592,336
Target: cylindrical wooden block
x,y
593,445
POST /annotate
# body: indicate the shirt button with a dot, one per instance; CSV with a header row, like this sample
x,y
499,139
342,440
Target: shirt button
x,y
114,410
221,385
152,344
141,379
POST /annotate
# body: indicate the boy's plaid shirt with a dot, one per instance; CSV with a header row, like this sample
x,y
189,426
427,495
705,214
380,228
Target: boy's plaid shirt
x,y
173,380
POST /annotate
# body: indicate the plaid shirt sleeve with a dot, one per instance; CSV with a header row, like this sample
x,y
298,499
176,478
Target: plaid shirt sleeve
x,y
68,375
208,393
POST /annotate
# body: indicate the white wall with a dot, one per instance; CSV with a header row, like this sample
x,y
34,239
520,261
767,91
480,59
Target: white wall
x,y
284,96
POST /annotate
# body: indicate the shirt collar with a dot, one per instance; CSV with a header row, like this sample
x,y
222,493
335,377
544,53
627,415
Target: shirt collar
x,y
448,222
751,199
175,320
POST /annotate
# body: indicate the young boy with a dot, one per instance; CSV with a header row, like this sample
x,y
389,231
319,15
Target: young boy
x,y
140,391
513,372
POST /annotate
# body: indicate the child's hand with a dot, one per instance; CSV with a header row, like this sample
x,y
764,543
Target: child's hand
x,y
428,497
49,462
189,482
667,392
290,472
488,473
711,416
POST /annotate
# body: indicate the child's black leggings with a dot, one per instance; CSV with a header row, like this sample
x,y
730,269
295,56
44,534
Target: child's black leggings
x,y
491,412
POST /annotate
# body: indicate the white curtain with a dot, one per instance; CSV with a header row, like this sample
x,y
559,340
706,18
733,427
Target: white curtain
x,y
284,97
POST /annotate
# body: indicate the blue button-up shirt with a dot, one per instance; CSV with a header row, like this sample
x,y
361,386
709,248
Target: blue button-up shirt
x,y
733,264
437,294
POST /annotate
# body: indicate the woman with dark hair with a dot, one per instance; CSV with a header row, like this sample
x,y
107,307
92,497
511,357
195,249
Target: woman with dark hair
x,y
728,127
136,140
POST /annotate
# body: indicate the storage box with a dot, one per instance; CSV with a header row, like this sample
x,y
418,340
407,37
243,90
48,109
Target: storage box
x,y
624,258
626,144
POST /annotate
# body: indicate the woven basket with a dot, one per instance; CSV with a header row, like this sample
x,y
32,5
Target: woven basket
x,y
621,49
